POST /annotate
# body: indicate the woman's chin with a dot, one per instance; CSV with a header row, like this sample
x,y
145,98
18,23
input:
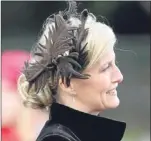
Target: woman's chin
x,y
114,103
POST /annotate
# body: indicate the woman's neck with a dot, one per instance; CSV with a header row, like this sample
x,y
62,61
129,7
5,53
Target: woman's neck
x,y
73,103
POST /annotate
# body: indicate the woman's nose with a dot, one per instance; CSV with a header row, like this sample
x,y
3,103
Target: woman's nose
x,y
117,75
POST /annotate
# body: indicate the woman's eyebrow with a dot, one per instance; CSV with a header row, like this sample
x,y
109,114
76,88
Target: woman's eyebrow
x,y
108,61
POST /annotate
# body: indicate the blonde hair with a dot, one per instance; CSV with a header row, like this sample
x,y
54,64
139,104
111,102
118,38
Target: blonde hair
x,y
100,38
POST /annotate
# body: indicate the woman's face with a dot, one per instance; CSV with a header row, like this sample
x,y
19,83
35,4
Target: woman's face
x,y
99,91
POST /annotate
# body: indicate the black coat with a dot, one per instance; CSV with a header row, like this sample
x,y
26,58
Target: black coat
x,y
85,126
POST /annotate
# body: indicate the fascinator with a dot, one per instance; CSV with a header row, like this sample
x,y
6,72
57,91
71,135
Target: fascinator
x,y
63,55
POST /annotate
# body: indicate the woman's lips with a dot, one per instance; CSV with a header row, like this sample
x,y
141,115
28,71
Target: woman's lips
x,y
112,92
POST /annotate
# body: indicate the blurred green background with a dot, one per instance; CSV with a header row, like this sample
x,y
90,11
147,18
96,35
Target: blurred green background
x,y
22,21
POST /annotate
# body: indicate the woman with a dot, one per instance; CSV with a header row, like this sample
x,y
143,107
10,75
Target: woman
x,y
73,74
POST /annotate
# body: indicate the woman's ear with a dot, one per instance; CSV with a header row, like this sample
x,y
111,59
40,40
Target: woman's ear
x,y
63,86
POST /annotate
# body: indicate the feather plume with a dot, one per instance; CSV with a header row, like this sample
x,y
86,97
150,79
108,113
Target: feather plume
x,y
52,63
57,43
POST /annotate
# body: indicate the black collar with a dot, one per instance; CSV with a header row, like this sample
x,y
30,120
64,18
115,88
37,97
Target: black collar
x,y
87,127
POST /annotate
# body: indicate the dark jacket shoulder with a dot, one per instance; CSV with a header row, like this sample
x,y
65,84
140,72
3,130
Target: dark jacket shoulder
x,y
55,138
82,126
56,132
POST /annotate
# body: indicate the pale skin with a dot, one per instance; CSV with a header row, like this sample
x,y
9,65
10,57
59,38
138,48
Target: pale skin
x,y
97,93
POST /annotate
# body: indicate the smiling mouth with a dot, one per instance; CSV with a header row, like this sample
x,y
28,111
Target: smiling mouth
x,y
112,92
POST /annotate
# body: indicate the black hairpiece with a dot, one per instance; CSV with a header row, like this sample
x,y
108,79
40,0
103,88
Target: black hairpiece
x,y
63,55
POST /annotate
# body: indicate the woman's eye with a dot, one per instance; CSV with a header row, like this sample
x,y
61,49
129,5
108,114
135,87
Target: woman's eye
x,y
106,67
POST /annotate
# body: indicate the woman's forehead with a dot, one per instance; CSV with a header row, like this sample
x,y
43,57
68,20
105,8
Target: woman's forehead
x,y
107,57
104,59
